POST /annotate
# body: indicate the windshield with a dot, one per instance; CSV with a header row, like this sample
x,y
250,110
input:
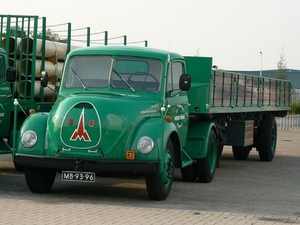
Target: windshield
x,y
132,73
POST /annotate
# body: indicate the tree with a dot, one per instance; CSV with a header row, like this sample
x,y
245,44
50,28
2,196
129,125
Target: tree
x,y
51,36
281,66
16,31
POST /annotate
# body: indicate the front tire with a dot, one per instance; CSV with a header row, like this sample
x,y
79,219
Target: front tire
x,y
159,184
206,167
18,167
39,180
267,138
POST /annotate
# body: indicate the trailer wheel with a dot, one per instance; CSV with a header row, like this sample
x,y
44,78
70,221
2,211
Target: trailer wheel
x,y
39,180
188,173
159,184
267,138
240,152
206,167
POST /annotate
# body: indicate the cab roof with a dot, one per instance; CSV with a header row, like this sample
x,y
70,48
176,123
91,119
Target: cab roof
x,y
126,51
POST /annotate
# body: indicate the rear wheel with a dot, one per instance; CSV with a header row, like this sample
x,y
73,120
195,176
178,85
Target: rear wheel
x,y
206,167
159,184
240,152
39,180
267,138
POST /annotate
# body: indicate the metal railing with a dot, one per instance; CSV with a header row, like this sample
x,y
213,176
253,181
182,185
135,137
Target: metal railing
x,y
290,121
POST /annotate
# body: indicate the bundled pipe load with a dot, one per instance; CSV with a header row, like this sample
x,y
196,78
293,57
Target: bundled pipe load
x,y
24,88
53,50
13,44
26,68
22,52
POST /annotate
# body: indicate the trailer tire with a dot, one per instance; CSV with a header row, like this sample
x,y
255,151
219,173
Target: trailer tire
x,y
240,152
206,167
39,180
159,184
188,173
267,138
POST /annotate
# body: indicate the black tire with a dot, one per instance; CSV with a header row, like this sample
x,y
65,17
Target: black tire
x,y
39,180
240,152
206,167
267,138
159,184
188,173
18,167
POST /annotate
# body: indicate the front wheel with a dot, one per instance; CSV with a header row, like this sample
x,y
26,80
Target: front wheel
x,y
206,167
39,180
159,184
18,167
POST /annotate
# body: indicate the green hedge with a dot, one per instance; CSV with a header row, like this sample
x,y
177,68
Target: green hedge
x,y
295,108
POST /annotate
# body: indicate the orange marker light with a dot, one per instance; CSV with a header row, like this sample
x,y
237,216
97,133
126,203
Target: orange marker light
x,y
31,111
168,119
130,155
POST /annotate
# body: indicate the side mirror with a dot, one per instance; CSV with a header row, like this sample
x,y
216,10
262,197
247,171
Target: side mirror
x,y
185,82
11,74
44,79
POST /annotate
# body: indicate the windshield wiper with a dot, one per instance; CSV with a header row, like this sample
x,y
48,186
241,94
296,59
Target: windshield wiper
x,y
76,75
128,85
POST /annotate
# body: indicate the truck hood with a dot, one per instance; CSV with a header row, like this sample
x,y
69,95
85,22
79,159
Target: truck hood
x,y
97,123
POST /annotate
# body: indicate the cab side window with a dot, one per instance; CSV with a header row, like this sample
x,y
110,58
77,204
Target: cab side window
x,y
175,71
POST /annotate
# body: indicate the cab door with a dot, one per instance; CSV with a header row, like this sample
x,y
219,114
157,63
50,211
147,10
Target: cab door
x,y
177,100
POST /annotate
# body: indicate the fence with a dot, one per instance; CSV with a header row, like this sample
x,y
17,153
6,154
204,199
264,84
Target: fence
x,y
288,122
293,117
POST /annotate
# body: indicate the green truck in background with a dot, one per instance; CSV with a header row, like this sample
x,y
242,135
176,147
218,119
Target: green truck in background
x,y
23,52
145,112
28,46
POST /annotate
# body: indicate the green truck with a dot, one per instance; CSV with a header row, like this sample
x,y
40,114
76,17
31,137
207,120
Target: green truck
x,y
143,111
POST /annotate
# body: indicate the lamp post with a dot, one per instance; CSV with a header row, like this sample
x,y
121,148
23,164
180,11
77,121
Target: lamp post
x,y
260,74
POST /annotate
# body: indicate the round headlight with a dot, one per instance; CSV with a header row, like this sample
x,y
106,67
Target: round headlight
x,y
29,139
145,145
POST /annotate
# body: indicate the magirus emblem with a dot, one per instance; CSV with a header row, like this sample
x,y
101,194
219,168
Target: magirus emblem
x,y
81,126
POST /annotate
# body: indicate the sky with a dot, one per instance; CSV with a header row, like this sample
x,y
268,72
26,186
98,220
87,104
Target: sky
x,y
237,34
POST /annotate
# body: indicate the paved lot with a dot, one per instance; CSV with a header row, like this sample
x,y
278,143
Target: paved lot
x,y
242,192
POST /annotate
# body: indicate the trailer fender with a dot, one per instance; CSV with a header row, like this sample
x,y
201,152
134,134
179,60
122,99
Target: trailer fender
x,y
197,139
36,123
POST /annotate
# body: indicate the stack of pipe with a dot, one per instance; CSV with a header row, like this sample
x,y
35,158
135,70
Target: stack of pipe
x,y
21,50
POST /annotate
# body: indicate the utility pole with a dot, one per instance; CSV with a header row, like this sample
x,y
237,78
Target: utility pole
x,y
260,74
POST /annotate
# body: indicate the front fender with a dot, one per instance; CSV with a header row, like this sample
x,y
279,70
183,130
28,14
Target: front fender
x,y
160,133
37,123
197,139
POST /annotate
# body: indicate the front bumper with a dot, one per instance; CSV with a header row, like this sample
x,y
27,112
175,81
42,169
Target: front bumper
x,y
86,165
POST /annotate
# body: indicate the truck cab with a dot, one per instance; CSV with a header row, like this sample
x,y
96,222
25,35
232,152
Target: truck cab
x,y
119,109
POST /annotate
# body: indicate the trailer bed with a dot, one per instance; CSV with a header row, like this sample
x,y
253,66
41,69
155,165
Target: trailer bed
x,y
216,91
